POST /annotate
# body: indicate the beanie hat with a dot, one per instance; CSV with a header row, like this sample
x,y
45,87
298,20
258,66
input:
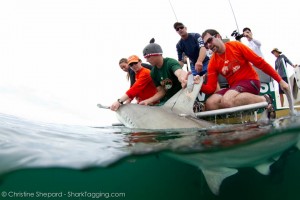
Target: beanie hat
x,y
152,49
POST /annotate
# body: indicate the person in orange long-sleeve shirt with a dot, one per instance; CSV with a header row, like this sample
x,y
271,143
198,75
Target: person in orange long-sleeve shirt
x,y
142,89
233,60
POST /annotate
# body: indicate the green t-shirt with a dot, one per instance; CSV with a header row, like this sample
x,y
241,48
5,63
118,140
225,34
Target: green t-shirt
x,y
166,78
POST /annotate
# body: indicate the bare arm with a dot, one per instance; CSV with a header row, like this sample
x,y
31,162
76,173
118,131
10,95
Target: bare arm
x,y
120,101
201,57
181,63
155,98
284,86
182,77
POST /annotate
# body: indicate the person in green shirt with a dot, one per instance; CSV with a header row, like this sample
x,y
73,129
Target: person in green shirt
x,y
167,74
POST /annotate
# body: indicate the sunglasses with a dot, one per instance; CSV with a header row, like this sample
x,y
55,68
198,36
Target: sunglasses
x,y
178,28
208,41
133,63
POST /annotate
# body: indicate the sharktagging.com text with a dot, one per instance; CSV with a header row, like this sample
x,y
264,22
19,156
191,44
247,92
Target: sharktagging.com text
x,y
68,194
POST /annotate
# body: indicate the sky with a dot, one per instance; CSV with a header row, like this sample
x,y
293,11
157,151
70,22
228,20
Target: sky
x,y
59,58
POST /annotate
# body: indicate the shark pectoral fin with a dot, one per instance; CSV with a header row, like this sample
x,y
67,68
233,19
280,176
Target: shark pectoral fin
x,y
215,177
183,101
264,168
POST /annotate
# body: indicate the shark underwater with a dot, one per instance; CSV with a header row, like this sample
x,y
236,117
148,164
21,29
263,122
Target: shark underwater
x,y
256,149
176,113
260,149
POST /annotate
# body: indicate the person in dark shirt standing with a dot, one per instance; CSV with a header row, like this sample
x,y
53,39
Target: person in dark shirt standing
x,y
191,45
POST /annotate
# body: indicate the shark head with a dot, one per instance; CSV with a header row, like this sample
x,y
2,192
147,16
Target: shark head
x,y
176,113
156,117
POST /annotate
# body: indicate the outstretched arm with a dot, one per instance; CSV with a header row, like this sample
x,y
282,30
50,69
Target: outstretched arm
x,y
115,106
182,77
288,61
155,98
201,57
284,86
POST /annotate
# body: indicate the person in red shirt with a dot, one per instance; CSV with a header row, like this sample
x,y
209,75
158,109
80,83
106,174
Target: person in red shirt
x,y
142,89
233,60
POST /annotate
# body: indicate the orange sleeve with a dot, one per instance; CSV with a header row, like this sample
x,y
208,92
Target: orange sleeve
x,y
259,62
212,77
142,79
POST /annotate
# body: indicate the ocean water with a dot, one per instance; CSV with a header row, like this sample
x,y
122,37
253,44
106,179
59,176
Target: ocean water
x,y
90,160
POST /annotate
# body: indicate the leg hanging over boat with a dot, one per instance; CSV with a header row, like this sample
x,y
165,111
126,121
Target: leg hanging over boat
x,y
270,107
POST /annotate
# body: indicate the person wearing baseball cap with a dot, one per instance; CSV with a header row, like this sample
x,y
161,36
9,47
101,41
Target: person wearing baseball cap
x,y
280,66
123,64
142,89
192,46
167,74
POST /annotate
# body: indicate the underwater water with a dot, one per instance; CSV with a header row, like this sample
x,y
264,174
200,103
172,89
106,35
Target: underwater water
x,y
243,161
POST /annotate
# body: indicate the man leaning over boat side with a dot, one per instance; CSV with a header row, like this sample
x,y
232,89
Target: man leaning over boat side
x,y
233,60
167,74
142,89
123,64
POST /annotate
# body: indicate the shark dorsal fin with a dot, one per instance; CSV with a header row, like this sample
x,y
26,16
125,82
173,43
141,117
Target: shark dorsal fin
x,y
183,101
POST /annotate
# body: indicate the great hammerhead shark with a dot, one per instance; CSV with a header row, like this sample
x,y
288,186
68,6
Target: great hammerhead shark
x,y
176,113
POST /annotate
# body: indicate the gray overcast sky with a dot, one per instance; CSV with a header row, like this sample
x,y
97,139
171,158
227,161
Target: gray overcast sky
x,y
61,56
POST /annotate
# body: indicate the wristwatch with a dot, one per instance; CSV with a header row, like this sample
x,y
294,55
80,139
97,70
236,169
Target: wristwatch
x,y
119,100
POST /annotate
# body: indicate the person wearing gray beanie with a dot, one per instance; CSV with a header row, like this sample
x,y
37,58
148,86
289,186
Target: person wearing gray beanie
x,y
166,73
152,49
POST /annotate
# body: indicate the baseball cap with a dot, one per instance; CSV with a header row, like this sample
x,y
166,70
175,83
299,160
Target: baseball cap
x,y
276,49
177,24
133,59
